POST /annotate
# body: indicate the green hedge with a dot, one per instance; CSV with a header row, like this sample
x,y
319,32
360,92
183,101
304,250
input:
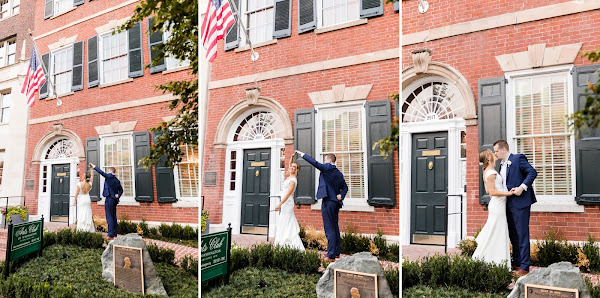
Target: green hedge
x,y
458,271
393,279
72,237
190,265
161,255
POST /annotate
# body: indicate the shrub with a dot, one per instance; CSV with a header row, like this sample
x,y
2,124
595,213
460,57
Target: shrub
x,y
467,246
240,258
153,231
555,249
49,238
411,272
594,290
203,219
268,256
393,279
315,239
393,253
18,286
353,242
261,256
100,224
381,243
143,225
126,226
189,233
161,255
190,265
590,249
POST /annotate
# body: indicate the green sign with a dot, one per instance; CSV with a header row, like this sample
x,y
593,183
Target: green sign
x,y
214,255
26,238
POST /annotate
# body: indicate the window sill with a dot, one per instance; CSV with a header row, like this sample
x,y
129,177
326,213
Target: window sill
x,y
341,26
185,203
168,71
562,205
9,17
115,83
60,95
64,12
347,207
123,202
257,45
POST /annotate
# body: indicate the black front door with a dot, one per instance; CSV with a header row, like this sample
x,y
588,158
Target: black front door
x,y
256,190
429,187
59,199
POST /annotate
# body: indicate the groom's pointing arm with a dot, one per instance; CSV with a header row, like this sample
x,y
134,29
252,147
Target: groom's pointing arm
x,y
313,162
100,171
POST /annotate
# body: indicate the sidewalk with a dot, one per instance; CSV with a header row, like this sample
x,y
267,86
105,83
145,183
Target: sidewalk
x,y
414,252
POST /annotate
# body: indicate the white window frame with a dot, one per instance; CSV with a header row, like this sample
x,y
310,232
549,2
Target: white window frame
x,y
58,12
4,51
2,107
320,15
125,200
101,57
176,178
246,21
11,9
350,204
546,203
168,58
52,70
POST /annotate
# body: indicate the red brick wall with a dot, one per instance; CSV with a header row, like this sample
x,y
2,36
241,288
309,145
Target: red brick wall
x,y
19,24
473,56
292,93
143,87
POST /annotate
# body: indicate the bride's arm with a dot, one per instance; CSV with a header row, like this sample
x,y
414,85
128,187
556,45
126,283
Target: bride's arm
x,y
490,187
287,195
91,179
76,194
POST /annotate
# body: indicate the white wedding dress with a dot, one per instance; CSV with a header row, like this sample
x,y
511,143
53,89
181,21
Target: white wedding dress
x,y
493,241
286,233
85,223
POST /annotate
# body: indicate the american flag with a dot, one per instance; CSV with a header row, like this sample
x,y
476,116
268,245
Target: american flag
x,y
34,79
217,20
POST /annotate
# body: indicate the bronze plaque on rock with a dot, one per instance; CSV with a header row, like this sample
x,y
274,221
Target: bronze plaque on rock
x,y
352,284
539,291
128,268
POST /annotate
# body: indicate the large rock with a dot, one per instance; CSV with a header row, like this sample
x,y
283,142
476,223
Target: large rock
x,y
152,282
360,262
562,275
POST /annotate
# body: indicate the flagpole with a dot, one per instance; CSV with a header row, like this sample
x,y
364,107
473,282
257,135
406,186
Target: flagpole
x,y
237,11
45,69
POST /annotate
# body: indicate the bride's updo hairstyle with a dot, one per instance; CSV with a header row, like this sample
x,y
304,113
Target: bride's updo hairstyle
x,y
87,177
485,157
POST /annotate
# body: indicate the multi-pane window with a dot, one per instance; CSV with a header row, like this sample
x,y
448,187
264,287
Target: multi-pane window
x,y
61,6
9,8
5,101
342,134
2,158
16,4
44,179
63,70
114,57
339,11
171,61
187,172
259,20
118,154
232,166
541,132
8,50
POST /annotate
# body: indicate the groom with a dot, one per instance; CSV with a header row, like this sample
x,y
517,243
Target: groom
x,y
518,175
112,192
332,189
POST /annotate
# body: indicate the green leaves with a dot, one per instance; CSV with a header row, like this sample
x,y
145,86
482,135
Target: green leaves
x,y
589,116
390,144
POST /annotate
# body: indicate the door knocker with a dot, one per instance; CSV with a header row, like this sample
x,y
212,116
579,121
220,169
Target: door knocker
x,y
257,173
60,180
431,165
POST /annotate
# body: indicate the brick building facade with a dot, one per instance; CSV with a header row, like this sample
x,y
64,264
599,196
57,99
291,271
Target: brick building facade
x,y
109,103
321,84
496,70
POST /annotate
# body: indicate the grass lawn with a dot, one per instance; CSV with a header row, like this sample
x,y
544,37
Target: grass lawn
x,y
82,270
454,292
244,283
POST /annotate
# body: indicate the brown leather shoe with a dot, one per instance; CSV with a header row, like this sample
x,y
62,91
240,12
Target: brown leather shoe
x,y
337,257
326,259
516,268
521,272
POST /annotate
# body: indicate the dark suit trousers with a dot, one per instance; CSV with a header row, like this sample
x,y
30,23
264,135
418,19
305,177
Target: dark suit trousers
x,y
110,208
330,212
518,232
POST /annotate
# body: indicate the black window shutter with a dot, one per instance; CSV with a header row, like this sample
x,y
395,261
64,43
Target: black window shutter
x,y
48,9
143,177
44,88
78,2
307,15
587,142
492,120
136,67
304,131
77,79
371,8
93,71
283,19
232,39
92,153
397,6
165,180
154,41
380,169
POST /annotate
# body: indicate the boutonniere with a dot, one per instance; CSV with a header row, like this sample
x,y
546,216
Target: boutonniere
x,y
508,163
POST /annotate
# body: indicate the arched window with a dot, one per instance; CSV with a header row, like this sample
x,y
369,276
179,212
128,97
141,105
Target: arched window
x,y
259,126
60,149
432,99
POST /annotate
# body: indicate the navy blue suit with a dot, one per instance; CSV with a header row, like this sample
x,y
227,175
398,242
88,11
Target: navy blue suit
x,y
518,208
331,184
112,188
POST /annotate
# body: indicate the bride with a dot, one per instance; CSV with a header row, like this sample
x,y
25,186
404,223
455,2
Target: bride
x,y
287,225
84,205
493,241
